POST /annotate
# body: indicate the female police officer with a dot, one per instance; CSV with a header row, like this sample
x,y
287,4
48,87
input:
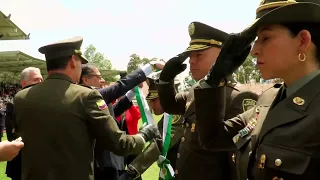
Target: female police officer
x,y
279,137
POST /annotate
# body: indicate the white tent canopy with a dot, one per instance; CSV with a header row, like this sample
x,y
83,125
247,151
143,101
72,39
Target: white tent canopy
x,y
13,62
16,61
10,31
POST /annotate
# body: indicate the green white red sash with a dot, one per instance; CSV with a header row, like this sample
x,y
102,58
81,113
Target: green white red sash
x,y
166,171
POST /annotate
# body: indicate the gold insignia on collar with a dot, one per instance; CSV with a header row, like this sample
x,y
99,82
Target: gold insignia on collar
x,y
248,104
298,101
191,29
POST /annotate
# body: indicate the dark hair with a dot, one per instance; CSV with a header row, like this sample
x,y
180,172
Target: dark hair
x,y
58,63
313,28
87,69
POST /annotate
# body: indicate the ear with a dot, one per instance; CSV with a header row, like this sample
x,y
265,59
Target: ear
x,y
84,79
23,83
73,61
305,41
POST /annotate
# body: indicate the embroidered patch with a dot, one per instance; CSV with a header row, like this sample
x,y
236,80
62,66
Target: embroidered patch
x,y
175,118
248,104
101,104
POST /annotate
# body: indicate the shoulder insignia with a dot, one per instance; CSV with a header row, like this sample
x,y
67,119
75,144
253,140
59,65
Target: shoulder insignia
x,y
101,104
175,118
248,104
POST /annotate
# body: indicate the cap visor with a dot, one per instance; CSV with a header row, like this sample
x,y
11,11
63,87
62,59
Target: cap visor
x,y
83,59
294,13
151,97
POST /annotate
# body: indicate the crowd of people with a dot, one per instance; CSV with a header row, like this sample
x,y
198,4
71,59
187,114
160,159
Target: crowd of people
x,y
8,90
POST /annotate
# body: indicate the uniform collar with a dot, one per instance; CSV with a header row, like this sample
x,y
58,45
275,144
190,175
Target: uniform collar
x,y
60,76
301,82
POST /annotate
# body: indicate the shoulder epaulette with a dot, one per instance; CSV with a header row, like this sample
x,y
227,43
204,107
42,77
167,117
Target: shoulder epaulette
x,y
29,86
91,87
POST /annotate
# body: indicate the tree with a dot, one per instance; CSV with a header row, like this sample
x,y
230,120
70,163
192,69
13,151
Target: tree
x,y
99,60
135,61
247,71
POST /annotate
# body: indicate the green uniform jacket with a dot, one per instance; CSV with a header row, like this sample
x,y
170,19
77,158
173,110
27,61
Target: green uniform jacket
x,y
59,122
284,143
152,152
195,162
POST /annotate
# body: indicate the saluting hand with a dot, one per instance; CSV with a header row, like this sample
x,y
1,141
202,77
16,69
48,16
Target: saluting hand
x,y
9,150
233,53
173,67
158,64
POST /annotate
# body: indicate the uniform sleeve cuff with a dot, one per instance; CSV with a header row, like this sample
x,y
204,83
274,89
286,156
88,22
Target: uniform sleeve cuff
x,y
144,141
130,95
147,69
163,82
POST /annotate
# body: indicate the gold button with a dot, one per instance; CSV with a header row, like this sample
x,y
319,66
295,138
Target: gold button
x,y
182,139
176,171
187,124
278,162
178,155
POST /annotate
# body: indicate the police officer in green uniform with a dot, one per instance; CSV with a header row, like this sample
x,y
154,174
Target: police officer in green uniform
x,y
193,161
278,139
59,120
151,154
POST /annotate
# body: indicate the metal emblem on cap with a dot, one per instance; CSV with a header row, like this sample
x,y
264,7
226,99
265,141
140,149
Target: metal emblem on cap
x,y
191,29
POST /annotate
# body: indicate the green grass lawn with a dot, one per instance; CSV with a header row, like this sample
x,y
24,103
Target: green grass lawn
x,y
150,174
